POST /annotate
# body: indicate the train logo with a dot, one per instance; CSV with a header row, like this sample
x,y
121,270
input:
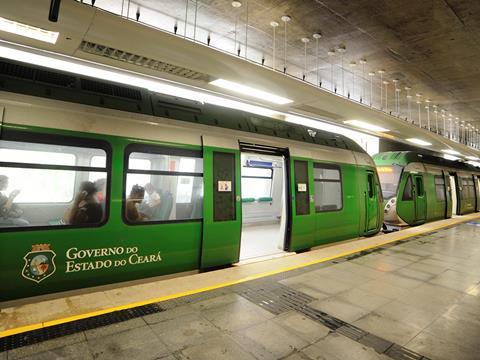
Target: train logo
x,y
39,263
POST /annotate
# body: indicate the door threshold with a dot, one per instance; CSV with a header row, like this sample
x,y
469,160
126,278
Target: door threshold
x,y
263,258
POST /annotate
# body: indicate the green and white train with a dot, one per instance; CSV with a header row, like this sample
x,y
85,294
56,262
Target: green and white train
x,y
222,185
418,188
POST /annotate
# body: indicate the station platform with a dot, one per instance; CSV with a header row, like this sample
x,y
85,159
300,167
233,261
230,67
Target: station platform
x,y
412,294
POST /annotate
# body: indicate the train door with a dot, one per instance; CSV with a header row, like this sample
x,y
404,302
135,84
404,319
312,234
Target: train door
x,y
222,206
371,199
303,205
265,201
453,193
476,192
420,198
448,195
476,181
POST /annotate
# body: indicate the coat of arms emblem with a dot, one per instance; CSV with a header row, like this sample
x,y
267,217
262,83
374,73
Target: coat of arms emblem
x,y
39,263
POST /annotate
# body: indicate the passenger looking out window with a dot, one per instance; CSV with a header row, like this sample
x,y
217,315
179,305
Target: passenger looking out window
x,y
10,213
132,210
86,208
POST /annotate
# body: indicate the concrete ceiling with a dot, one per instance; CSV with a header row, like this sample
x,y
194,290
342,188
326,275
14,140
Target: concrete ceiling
x,y
432,46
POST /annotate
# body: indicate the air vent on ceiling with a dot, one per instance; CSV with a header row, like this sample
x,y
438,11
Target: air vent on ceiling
x,y
139,60
110,89
29,73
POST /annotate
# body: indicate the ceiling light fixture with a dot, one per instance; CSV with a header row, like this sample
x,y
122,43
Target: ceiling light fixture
x,y
450,157
419,142
365,125
31,32
249,91
451,152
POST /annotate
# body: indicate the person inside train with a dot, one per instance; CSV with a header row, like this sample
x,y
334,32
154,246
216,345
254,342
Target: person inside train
x,y
132,205
101,185
10,213
85,209
151,202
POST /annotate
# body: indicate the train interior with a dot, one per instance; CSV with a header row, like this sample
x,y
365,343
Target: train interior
x,y
46,179
453,191
263,205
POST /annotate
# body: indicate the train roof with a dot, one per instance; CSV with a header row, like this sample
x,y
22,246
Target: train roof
x,y
404,158
32,80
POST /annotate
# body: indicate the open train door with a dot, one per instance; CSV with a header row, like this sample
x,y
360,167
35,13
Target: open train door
x,y
448,195
476,183
371,203
454,192
222,202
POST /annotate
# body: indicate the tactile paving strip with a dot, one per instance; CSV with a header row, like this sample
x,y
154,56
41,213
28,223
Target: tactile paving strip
x,y
52,332
277,298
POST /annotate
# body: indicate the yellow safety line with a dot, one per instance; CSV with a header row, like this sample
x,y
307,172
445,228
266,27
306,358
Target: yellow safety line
x,y
45,324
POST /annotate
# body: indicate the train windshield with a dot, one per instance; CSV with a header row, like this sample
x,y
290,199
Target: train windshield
x,y
389,179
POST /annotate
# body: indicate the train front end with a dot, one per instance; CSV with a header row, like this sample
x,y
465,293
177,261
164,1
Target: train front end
x,y
389,179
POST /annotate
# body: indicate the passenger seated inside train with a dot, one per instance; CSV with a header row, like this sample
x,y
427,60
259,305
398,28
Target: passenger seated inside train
x,y
86,208
151,202
132,205
101,185
10,213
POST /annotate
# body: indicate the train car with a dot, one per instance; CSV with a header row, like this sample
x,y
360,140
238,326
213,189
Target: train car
x,y
419,188
103,183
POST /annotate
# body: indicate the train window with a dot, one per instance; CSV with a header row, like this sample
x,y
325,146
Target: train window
x,y
256,182
440,188
46,184
302,189
163,185
468,188
138,164
389,178
419,185
370,185
328,187
97,161
408,190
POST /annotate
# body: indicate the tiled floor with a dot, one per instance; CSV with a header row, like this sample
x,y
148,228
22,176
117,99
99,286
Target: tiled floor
x,y
423,294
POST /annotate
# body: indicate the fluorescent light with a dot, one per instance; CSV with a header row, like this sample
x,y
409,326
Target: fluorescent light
x,y
249,91
419,142
451,152
124,77
474,158
474,163
366,126
450,157
31,32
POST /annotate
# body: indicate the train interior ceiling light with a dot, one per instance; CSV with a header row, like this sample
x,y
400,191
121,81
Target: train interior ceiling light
x,y
249,91
366,126
31,32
